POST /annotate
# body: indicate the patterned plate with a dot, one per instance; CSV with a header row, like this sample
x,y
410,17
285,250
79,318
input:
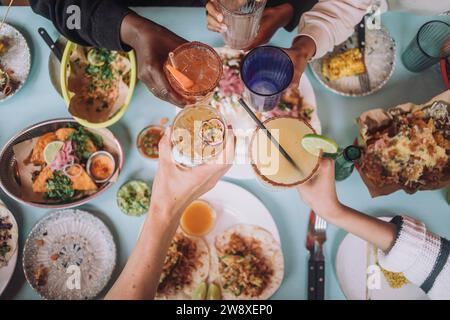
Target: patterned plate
x,y
17,58
69,255
380,63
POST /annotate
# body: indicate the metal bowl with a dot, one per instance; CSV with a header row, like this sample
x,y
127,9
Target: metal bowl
x,y
9,175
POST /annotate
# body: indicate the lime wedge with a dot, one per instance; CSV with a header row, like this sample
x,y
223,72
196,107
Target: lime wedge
x,y
315,144
51,150
448,195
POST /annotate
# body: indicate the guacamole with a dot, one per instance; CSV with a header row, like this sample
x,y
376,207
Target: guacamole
x,y
133,198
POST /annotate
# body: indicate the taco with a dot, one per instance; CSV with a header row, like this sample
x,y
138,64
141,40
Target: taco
x,y
186,266
247,263
8,235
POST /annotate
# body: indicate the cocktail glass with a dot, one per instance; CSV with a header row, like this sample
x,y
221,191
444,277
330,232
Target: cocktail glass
x,y
270,166
198,135
266,72
242,19
201,64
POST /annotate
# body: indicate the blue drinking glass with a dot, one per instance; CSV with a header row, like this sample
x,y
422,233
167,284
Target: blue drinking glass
x,y
266,72
431,43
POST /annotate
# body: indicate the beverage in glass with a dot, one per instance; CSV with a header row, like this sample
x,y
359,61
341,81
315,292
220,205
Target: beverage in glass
x,y
198,135
266,72
269,164
242,19
200,64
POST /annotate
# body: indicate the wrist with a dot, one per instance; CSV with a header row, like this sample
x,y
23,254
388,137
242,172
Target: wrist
x,y
304,47
284,13
132,28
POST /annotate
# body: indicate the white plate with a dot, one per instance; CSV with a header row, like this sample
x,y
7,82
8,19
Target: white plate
x,y
352,260
235,205
17,58
7,272
240,120
64,242
380,63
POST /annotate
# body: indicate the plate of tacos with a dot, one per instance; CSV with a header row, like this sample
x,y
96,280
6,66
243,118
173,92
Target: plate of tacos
x,y
238,256
299,103
8,246
97,84
59,164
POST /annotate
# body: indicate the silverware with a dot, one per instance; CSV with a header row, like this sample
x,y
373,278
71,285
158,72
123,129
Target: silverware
x,y
310,245
51,44
320,236
364,80
269,135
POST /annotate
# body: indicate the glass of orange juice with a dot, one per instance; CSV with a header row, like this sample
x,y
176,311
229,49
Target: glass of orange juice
x,y
198,218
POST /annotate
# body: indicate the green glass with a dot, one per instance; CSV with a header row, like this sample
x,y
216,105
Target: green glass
x,y
345,162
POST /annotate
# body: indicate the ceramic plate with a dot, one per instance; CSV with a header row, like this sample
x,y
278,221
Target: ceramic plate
x,y
69,255
7,271
380,63
353,258
17,58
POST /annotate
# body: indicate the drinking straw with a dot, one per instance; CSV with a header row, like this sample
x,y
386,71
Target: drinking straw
x,y
6,14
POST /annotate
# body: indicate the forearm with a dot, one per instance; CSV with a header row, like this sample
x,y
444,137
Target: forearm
x,y
375,231
140,278
88,22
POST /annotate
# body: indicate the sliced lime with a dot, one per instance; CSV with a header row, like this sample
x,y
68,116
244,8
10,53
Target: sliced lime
x,y
448,195
316,143
200,292
213,292
51,150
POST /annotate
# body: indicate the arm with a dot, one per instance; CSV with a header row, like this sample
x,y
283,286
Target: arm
x,y
331,22
100,20
404,244
174,188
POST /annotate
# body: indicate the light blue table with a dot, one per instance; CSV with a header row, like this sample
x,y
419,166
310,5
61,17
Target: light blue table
x,y
38,101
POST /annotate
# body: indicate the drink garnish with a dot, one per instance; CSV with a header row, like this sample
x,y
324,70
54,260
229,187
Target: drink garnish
x,y
212,132
317,144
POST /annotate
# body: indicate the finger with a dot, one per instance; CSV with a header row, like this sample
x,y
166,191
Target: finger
x,y
165,146
215,26
213,12
161,88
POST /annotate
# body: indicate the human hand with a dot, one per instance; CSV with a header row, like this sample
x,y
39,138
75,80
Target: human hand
x,y
301,51
319,193
272,19
175,186
152,44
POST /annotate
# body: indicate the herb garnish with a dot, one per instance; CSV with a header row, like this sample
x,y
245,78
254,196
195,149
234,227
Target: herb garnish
x,y
60,187
81,139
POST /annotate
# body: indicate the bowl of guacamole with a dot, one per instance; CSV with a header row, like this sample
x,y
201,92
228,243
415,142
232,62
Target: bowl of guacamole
x,y
133,198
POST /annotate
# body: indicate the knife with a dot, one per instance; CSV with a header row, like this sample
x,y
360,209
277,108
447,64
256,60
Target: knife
x,y
364,80
310,245
52,45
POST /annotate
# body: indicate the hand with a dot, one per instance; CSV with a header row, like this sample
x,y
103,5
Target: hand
x,y
301,51
319,193
175,187
272,19
152,44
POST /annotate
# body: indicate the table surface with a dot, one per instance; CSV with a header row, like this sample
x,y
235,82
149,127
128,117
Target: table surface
x,y
38,101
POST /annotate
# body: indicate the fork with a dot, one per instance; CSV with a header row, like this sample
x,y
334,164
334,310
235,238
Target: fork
x,y
320,236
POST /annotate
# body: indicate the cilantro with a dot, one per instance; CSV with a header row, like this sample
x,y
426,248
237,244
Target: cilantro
x,y
60,187
81,139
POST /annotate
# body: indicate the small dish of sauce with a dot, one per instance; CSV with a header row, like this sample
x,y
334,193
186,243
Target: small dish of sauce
x,y
101,166
148,141
198,218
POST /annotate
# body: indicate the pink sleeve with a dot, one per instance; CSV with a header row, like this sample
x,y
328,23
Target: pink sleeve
x,y
331,22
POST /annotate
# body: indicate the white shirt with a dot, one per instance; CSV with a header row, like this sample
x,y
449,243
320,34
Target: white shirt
x,y
331,22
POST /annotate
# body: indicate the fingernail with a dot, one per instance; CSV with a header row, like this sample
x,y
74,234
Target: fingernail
x,y
223,28
220,17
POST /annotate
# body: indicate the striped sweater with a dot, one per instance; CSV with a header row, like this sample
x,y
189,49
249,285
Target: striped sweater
x,y
421,256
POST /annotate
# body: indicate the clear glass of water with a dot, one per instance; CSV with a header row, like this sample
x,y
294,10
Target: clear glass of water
x,y
242,19
431,43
